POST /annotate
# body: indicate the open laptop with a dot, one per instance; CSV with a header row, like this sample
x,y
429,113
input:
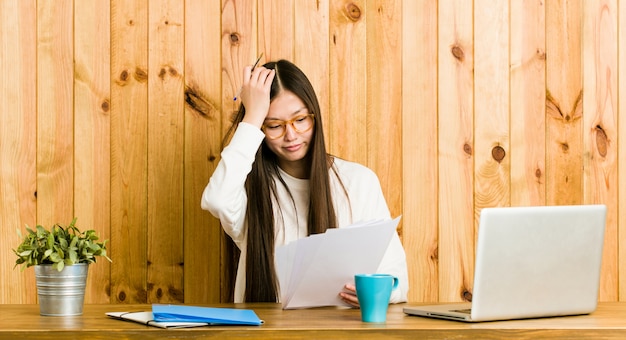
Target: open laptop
x,y
532,262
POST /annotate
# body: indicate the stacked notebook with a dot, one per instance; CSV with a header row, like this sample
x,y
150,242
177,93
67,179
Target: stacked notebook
x,y
181,316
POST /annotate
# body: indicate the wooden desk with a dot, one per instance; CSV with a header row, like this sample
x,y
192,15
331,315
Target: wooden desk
x,y
24,322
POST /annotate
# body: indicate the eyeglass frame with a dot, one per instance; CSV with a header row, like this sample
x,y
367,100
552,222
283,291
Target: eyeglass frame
x,y
290,122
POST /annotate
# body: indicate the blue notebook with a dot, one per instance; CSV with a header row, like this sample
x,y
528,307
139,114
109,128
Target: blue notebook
x,y
210,315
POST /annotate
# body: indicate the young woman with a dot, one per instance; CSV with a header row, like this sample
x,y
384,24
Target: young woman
x,y
275,182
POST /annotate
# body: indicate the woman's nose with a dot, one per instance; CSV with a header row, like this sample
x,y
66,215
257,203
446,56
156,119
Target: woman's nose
x,y
290,132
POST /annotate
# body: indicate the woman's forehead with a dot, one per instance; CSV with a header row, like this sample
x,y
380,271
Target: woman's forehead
x,y
286,105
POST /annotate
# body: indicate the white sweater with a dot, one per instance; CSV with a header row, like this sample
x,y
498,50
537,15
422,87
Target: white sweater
x,y
225,197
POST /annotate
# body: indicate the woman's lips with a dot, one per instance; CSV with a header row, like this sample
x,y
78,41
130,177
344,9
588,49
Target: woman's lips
x,y
293,148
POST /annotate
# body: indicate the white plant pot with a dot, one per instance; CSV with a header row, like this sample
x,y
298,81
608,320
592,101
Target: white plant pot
x,y
61,293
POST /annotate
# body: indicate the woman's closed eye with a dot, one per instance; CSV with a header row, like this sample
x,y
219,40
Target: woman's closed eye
x,y
274,124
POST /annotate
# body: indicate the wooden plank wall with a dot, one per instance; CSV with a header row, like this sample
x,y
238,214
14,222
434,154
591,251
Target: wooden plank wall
x,y
113,111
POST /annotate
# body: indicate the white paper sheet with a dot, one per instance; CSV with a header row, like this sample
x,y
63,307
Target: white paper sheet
x,y
313,270
147,319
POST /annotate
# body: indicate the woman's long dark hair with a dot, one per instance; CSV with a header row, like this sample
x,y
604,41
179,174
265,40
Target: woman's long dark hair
x,y
261,281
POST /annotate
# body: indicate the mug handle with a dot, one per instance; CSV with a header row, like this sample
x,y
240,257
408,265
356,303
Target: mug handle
x,y
394,285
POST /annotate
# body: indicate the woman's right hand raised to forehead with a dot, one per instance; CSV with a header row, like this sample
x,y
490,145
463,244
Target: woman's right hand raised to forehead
x,y
255,94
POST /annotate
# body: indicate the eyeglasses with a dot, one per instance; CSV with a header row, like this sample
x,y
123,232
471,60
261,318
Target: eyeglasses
x,y
276,128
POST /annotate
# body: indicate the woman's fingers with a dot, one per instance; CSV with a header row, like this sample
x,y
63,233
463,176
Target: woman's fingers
x,y
255,94
247,73
259,76
349,299
349,295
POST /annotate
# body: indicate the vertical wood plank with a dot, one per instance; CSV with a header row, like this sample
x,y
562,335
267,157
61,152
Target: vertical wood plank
x,y
456,150
621,148
18,119
165,151
600,127
384,98
129,109
491,104
239,48
92,148
419,147
203,137
311,51
348,80
55,123
528,88
276,29
564,102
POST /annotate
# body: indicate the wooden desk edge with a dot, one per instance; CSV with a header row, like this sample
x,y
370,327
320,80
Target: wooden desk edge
x,y
21,321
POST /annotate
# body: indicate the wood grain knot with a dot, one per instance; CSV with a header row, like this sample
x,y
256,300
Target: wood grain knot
x,y
176,294
234,38
498,153
434,254
141,75
467,149
159,293
167,70
121,296
141,295
458,53
541,55
353,12
538,173
124,76
564,147
196,101
467,295
602,141
211,158
105,106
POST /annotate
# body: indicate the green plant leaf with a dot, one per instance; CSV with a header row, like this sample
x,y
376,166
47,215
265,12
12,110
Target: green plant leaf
x,y
74,241
73,256
47,253
50,240
25,253
59,246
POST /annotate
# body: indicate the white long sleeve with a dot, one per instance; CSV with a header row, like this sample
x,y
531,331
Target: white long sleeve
x,y
225,197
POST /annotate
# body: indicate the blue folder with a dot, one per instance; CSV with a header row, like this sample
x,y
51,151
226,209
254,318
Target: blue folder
x,y
214,316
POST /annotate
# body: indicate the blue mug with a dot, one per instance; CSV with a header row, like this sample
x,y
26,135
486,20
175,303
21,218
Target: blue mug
x,y
373,292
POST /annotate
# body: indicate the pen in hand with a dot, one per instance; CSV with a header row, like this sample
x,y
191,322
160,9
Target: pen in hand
x,y
253,66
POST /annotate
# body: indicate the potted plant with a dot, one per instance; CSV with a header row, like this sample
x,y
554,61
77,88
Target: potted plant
x,y
61,257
